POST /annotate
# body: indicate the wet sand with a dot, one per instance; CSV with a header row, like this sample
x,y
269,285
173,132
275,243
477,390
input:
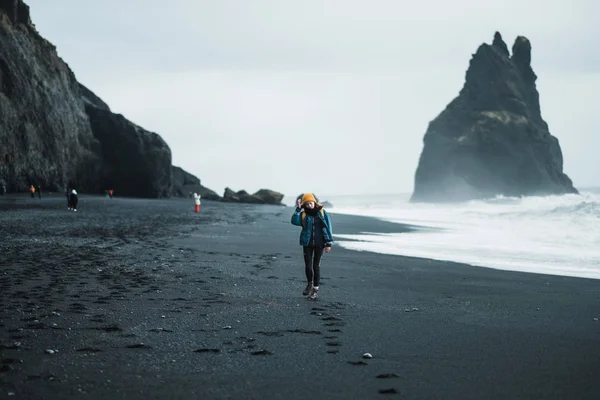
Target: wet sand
x,y
144,299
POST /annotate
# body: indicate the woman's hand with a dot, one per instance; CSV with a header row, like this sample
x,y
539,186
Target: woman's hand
x,y
298,203
327,249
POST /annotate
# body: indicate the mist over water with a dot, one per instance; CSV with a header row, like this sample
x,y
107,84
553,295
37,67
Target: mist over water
x,y
558,235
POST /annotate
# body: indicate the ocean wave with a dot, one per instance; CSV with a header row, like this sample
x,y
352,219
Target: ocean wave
x,y
545,234
585,205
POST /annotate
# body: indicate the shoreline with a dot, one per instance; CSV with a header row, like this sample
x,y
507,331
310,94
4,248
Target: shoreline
x,y
459,244
145,299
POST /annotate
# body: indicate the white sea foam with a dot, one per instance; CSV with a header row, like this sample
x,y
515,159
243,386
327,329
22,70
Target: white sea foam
x,y
557,235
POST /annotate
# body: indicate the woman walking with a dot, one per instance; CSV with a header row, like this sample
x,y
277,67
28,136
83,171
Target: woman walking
x,y
316,237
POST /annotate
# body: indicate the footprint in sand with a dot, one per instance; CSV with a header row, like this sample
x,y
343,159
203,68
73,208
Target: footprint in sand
x,y
274,333
357,363
159,330
207,350
6,368
109,328
387,376
330,321
89,350
78,308
138,346
304,331
245,339
262,353
37,325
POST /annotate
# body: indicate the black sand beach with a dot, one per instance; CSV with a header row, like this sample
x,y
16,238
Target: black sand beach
x,y
144,299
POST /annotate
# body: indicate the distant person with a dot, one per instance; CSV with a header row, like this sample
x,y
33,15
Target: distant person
x,y
316,236
110,193
74,200
39,191
32,191
197,202
3,189
68,195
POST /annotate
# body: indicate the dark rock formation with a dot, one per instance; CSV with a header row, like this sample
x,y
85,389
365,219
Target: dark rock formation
x,y
263,196
91,99
269,196
184,183
55,132
491,140
246,197
45,135
230,196
242,196
137,163
16,11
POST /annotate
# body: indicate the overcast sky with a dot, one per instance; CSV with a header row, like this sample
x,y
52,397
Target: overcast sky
x,y
330,96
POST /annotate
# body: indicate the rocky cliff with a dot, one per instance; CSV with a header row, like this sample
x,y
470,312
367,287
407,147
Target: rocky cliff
x,y
137,163
45,135
491,139
185,183
55,132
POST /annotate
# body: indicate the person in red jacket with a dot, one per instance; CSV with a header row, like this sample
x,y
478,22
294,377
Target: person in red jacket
x,y
197,202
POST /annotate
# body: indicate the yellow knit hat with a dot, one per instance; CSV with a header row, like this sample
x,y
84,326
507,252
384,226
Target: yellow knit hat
x,y
308,197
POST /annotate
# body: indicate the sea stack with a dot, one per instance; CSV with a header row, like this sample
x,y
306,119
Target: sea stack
x,y
491,139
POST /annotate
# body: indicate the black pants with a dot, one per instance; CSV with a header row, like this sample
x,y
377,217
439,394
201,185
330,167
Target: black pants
x,y
312,264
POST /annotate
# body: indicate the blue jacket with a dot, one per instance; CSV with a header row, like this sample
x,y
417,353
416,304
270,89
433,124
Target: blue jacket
x,y
307,225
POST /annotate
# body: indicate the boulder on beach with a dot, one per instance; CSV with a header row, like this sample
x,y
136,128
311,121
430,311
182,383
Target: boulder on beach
x,y
263,196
